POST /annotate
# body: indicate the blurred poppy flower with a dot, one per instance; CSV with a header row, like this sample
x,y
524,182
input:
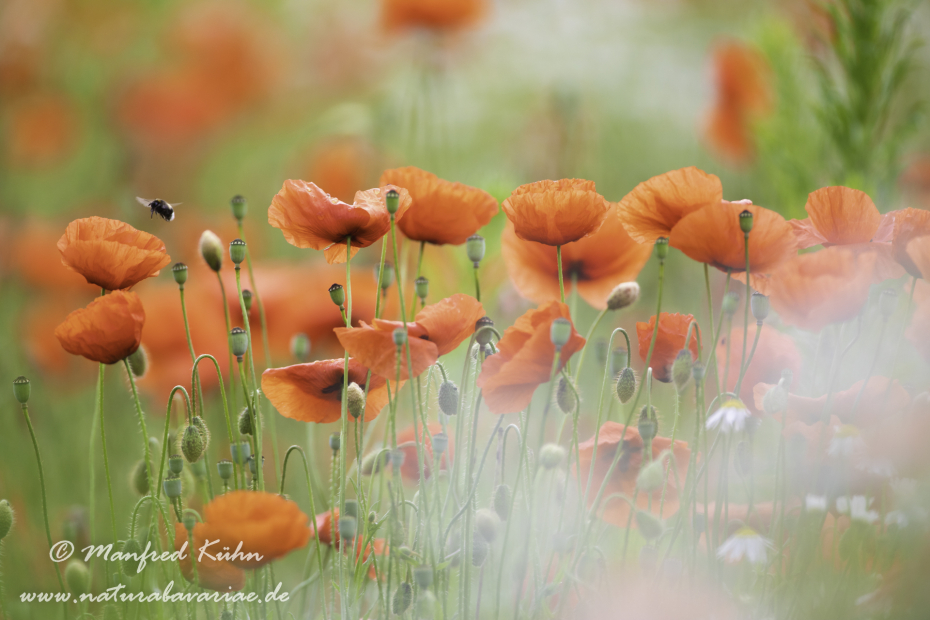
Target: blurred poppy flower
x,y
313,392
816,289
655,206
379,548
410,470
39,320
327,527
524,359
774,353
623,478
908,224
673,330
41,130
265,523
344,166
712,235
34,259
111,254
441,211
311,218
556,212
915,180
918,250
108,330
213,574
743,96
598,263
431,14
436,330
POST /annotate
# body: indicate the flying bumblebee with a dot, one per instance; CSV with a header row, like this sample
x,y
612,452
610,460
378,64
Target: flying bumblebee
x,y
164,210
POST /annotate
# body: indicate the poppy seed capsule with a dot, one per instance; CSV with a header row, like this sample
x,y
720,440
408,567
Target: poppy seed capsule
x,y
697,371
139,478
400,337
448,398
626,385
239,207
6,518
189,520
300,347
730,303
887,303
560,332
225,469
238,342
487,524
77,577
138,362
237,251
681,369
502,499
760,306
483,336
397,458
247,299
565,396
240,452
475,248
179,271
172,486
348,527
551,455
337,294
402,598
211,248
623,295
387,276
661,248
423,576
421,285
440,443
21,389
392,201
245,422
175,463
745,221
355,400
253,467
351,508
334,442
129,564
192,444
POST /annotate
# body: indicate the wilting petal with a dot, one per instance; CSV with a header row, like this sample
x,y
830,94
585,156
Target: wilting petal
x,y
108,330
556,212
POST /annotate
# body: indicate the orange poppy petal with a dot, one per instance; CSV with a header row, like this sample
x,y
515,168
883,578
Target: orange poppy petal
x,y
108,330
673,330
451,321
775,352
217,575
908,224
375,348
918,250
843,215
556,212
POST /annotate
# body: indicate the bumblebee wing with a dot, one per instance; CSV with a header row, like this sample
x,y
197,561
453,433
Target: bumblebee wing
x,y
144,202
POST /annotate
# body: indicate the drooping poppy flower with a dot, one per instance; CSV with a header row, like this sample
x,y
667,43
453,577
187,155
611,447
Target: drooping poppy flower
x,y
556,212
108,330
774,353
410,470
623,477
909,224
816,289
313,392
311,218
598,263
432,14
111,254
673,330
655,206
213,574
267,525
524,359
436,330
441,211
712,235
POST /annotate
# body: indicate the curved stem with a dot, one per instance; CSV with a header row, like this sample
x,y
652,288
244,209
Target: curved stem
x,y
145,433
742,362
587,343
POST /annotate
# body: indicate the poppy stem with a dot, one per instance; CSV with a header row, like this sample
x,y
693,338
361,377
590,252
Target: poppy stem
x,y
752,353
253,401
743,362
106,460
190,346
232,375
413,295
558,260
587,342
381,278
477,285
145,433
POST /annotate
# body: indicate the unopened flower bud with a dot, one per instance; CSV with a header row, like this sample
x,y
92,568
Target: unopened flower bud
x,y
387,276
237,251
661,248
760,306
730,303
397,458
483,336
77,576
403,597
440,444
300,347
626,385
503,496
479,551
888,303
247,300
211,248
240,452
745,221
551,455
238,342
337,294
681,369
129,564
245,422
225,469
175,463
189,520
400,337
560,332
173,486
334,442
6,518
421,285
139,478
355,400
565,396
475,248
138,362
348,527
423,576
448,398
623,295
192,444
487,524
392,201
651,476
697,371
239,207
775,400
179,271
373,462
650,527
648,425
21,389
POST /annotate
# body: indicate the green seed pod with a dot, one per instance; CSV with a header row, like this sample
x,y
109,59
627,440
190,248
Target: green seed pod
x,y
348,527
355,400
237,251
240,452
403,597
503,497
392,201
245,422
6,518
479,551
487,524
239,207
334,442
21,389
225,469
745,221
77,577
423,576
483,336
179,271
397,458
387,276
176,464
560,332
129,564
475,248
192,444
337,294
138,362
351,508
661,248
730,303
626,385
211,248
421,285
681,369
300,347
238,342
139,478
400,337
565,396
760,306
623,295
440,442
650,527
551,455
173,486
648,425
448,398
247,300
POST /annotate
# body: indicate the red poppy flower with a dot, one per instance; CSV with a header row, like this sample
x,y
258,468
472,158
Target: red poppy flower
x,y
774,353
432,14
217,575
623,478
556,212
410,470
908,224
441,211
436,330
673,330
598,262
313,392
524,359
655,206
108,330
111,254
311,218
327,527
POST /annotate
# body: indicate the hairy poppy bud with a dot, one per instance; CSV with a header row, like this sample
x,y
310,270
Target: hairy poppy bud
x,y
225,469
775,400
211,248
238,342
402,598
247,300
175,464
487,524
138,362
334,442
240,452
392,201
237,251
348,527
649,526
387,276
745,221
648,424
192,444
300,347
479,551
760,306
560,332
400,337
502,499
626,385
6,518
448,398
173,486
697,371
77,577
474,248
129,564
373,462
21,389
423,575
565,396
623,295
239,207
421,285
179,271
139,478
245,422
551,455
888,303
440,443
355,400
681,369
730,303
189,520
650,477
337,294
661,248
204,430
483,336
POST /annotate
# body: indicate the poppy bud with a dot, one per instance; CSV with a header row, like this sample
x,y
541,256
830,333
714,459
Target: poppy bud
x,y
626,385
618,361
139,478
239,207
245,422
474,248
479,551
483,337
440,443
373,462
742,459
422,287
661,248
138,362
502,499
189,520
175,464
128,564
240,452
247,300
551,455
337,294
565,396
623,295
348,527
745,221
192,444
402,598
355,400
423,575
392,201
649,526
651,476
387,276
697,371
334,442
448,398
253,467
77,577
681,369
487,524
760,306
6,518
179,271
237,251
225,469
560,332
648,424
887,303
400,337
300,347
204,430
238,342
21,389
775,400
730,303
211,248
173,486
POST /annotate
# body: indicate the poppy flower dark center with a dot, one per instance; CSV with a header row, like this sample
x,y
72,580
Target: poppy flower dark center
x,y
574,270
336,387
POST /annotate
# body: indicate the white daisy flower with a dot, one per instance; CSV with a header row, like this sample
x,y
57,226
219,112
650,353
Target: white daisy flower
x,y
815,503
896,518
731,417
745,543
842,505
859,510
846,441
